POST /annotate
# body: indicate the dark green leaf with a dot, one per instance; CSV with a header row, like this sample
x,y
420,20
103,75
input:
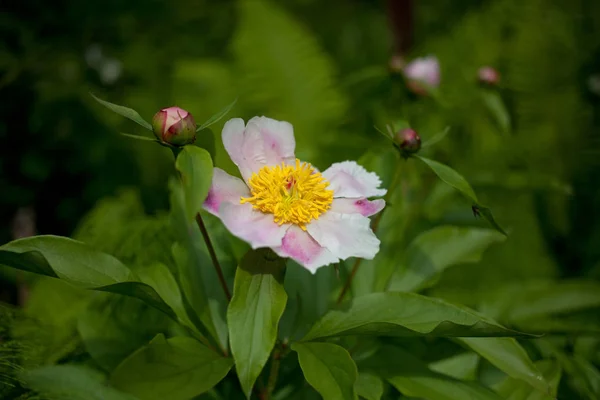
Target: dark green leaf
x,y
254,312
124,111
175,368
369,386
437,249
461,366
71,382
196,169
328,368
138,137
508,355
217,116
404,314
516,389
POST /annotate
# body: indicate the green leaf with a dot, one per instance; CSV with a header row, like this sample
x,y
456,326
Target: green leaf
x,y
457,181
328,368
437,249
217,116
175,368
495,106
138,137
71,382
516,389
508,355
258,303
411,377
369,386
79,265
196,168
404,314
124,111
461,366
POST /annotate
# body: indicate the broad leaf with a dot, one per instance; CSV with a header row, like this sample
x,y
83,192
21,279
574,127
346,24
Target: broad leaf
x,y
413,378
196,169
178,368
437,249
254,312
71,382
516,389
404,314
328,368
457,181
369,386
461,366
124,111
508,355
78,264
217,116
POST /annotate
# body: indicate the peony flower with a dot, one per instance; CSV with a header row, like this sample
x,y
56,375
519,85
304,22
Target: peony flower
x,y
175,126
421,72
312,217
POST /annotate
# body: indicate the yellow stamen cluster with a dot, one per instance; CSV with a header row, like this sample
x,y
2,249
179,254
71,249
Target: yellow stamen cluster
x,y
293,194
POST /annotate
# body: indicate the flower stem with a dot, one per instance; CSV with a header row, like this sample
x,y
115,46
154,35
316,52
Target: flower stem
x,y
213,255
275,363
374,226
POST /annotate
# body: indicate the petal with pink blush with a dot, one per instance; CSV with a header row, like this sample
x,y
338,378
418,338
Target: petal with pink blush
x,y
345,235
224,188
278,140
350,180
357,206
257,228
302,248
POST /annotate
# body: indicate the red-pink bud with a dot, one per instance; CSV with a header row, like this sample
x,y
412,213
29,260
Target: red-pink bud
x,y
488,76
408,141
175,126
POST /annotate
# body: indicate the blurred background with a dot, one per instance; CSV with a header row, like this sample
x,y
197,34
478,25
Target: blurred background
x,y
331,69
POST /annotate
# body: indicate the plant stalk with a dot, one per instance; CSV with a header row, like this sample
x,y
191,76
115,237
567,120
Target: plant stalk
x,y
213,256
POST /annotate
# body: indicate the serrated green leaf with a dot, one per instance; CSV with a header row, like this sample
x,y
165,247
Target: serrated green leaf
x,y
508,355
404,314
178,368
196,169
124,111
253,314
217,116
433,251
328,368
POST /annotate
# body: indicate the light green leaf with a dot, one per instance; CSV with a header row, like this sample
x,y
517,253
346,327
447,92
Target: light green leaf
x,y
369,386
411,377
196,168
404,314
79,265
217,116
254,312
138,137
461,366
508,355
457,181
178,368
124,111
71,382
437,249
328,368
495,106
516,389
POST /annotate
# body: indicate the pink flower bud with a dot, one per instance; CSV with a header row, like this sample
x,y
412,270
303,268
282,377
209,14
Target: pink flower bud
x,y
175,126
488,76
422,73
408,141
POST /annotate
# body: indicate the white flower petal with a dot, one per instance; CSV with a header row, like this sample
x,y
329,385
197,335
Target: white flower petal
x,y
302,248
224,188
360,206
278,139
345,235
256,228
348,179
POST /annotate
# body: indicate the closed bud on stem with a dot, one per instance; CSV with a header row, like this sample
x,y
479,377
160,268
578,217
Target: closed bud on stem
x,y
488,76
174,126
407,141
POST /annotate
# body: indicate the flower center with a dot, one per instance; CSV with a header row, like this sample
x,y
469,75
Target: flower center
x,y
293,194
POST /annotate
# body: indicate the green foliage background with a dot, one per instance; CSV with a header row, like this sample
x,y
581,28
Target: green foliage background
x,y
323,66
